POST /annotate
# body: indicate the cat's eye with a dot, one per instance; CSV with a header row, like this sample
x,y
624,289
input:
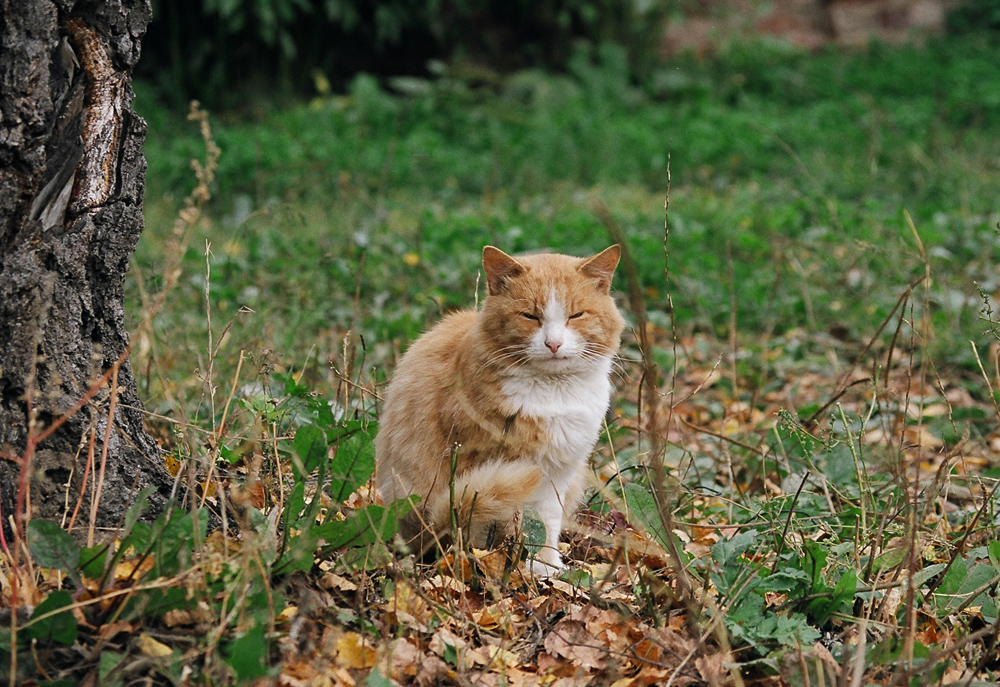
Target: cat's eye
x,y
576,315
529,316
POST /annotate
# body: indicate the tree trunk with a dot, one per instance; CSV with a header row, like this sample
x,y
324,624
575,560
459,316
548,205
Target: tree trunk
x,y
72,176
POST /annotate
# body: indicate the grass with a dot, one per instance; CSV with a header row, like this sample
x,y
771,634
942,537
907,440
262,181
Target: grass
x,y
826,431
801,165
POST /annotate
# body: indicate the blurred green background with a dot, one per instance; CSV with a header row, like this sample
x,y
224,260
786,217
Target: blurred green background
x,y
370,150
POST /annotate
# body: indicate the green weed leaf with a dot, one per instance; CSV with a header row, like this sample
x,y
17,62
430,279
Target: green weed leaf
x,y
54,622
837,601
534,534
377,679
172,540
247,655
785,580
136,510
642,507
725,552
52,547
108,669
993,550
813,561
309,445
352,466
93,560
953,579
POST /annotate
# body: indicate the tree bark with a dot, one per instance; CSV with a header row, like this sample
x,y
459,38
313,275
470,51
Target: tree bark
x,y
72,177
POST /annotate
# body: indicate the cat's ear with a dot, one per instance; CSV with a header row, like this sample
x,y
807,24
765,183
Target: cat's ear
x,y
499,268
602,266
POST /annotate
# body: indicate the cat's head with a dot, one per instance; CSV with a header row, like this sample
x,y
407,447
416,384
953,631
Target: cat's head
x,y
551,313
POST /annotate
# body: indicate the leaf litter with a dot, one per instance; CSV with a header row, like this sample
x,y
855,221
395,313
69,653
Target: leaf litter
x,y
616,617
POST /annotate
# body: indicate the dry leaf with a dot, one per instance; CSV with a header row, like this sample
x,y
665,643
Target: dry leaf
x,y
353,652
400,660
433,671
111,629
177,616
571,640
711,668
152,648
445,638
332,580
407,607
493,656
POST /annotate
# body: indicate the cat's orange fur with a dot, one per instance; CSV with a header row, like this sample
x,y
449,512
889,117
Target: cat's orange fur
x,y
515,392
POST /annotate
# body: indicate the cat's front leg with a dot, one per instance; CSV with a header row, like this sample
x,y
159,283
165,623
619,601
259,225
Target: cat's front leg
x,y
549,504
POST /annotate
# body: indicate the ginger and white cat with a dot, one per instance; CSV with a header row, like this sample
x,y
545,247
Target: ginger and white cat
x,y
506,402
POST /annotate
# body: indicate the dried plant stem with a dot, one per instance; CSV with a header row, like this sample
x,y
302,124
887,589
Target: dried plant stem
x,y
99,487
840,385
88,466
663,497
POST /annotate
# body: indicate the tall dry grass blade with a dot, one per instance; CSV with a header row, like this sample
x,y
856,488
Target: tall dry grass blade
x,y
662,495
99,486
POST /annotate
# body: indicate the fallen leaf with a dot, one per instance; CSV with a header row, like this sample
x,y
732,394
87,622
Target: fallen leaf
x,y
400,660
353,652
177,616
711,668
152,648
433,671
570,639
445,642
493,656
407,607
111,629
334,581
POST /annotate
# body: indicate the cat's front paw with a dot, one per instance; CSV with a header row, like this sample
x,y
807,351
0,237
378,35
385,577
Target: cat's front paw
x,y
547,566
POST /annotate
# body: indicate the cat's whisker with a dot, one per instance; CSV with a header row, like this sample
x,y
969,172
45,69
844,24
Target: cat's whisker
x,y
500,357
515,352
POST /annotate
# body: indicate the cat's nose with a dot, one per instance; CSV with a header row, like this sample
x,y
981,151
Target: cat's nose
x,y
553,345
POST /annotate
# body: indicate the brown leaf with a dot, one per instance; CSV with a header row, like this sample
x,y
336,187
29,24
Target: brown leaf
x,y
647,650
331,580
813,665
400,660
445,638
111,629
712,668
354,652
433,671
570,640
407,607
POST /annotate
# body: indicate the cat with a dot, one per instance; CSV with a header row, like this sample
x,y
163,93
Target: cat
x,y
496,409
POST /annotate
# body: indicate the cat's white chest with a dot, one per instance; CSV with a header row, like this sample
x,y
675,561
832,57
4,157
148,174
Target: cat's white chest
x,y
571,408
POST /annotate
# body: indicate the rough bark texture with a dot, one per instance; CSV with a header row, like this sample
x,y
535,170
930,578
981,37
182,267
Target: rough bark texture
x,y
72,176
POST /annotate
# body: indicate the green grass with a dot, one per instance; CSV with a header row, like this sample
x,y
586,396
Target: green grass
x,y
790,172
351,223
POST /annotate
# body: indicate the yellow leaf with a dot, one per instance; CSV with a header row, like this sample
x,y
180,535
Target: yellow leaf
x,y
411,259
173,465
499,655
353,653
134,568
152,648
